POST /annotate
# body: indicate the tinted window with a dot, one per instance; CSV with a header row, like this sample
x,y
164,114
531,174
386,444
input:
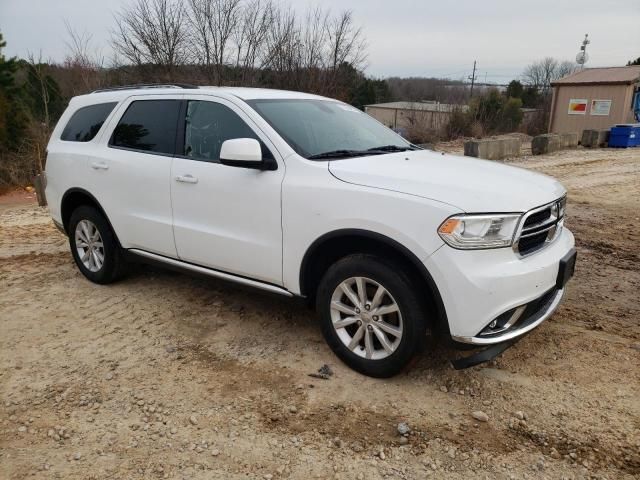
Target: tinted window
x,y
148,125
208,125
86,122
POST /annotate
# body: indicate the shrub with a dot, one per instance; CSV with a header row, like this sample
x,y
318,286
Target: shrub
x,y
460,124
487,114
511,115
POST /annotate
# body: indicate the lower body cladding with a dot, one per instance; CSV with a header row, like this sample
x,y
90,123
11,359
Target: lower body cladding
x,y
494,297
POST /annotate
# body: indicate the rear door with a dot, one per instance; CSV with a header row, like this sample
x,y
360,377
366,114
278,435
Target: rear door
x,y
226,218
130,174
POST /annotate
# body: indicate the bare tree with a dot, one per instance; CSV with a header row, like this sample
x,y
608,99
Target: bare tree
x,y
566,67
282,43
38,71
541,73
152,32
244,41
213,22
314,39
345,45
250,37
346,42
83,62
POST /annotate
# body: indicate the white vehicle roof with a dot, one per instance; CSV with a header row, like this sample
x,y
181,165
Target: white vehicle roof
x,y
118,94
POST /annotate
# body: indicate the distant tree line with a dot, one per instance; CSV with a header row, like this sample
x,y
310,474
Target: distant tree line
x,y
417,89
242,42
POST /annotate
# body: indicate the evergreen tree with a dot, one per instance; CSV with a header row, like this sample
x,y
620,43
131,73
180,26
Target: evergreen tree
x,y
13,119
515,89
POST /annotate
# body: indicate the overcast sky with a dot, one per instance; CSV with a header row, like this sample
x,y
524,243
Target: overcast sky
x,y
405,37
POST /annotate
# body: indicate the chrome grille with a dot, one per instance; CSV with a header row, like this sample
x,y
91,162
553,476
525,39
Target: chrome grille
x,y
540,226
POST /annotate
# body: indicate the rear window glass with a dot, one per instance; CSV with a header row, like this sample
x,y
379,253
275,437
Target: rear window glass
x,y
85,123
148,125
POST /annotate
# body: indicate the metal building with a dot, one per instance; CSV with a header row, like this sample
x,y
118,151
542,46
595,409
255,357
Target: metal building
x,y
595,98
403,115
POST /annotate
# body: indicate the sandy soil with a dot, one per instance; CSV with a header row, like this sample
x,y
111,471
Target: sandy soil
x,y
167,376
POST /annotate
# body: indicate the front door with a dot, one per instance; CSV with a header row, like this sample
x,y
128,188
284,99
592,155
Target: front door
x,y
226,218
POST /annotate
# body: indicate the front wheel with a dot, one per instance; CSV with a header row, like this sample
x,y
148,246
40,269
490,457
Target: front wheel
x,y
371,316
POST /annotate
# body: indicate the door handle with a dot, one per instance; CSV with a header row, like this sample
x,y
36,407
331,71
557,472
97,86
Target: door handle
x,y
186,179
99,166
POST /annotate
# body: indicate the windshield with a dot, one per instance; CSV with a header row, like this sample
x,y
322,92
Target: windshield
x,y
328,129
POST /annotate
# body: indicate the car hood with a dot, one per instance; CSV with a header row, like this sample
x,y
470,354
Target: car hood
x,y
469,184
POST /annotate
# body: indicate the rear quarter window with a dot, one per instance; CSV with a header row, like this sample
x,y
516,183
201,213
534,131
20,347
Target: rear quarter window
x,y
86,122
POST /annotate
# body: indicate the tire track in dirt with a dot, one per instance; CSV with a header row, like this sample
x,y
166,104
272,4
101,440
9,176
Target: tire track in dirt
x,y
122,367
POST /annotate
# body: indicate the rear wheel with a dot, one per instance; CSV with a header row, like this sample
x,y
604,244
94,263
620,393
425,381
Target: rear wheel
x,y
94,246
371,317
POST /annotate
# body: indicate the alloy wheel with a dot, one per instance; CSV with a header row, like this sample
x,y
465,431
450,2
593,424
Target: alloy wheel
x,y
366,318
89,245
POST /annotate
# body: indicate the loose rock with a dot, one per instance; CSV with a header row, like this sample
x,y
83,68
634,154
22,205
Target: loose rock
x,y
480,416
403,428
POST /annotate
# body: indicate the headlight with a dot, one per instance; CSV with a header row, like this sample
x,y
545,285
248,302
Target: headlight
x,y
479,231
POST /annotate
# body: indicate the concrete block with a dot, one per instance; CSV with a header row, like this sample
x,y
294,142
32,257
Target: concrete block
x,y
547,143
511,146
493,148
569,140
594,138
478,148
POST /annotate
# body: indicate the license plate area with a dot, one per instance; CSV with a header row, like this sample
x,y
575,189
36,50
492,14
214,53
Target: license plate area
x,y
566,269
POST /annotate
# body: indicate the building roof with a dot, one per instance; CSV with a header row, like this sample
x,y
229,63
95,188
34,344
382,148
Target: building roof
x,y
606,75
422,106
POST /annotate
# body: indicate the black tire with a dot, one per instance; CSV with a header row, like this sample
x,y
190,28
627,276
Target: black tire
x,y
398,284
113,266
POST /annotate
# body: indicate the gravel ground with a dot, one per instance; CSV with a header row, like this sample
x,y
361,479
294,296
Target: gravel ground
x,y
166,376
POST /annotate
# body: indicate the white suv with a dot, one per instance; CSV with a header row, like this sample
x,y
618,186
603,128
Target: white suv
x,y
307,196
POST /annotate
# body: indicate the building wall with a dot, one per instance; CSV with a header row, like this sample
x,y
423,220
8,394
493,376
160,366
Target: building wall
x,y
405,118
383,115
620,112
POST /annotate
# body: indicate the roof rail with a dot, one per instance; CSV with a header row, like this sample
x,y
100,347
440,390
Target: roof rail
x,y
145,85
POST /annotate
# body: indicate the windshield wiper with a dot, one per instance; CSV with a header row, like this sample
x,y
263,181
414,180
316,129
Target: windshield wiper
x,y
359,153
342,154
393,148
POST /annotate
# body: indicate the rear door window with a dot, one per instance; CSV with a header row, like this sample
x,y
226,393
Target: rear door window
x,y
148,126
86,122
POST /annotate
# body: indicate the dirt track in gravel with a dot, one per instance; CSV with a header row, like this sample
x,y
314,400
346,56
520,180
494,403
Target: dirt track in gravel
x,y
167,376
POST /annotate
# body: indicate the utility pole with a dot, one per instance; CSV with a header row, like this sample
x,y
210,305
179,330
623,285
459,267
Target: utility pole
x,y
473,78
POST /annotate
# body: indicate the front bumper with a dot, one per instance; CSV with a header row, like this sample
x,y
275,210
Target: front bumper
x,y
539,310
479,287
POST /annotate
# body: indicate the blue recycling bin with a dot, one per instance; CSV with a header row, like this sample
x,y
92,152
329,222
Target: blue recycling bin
x,y
625,135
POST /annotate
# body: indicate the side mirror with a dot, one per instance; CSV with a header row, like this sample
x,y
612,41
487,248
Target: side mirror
x,y
243,153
